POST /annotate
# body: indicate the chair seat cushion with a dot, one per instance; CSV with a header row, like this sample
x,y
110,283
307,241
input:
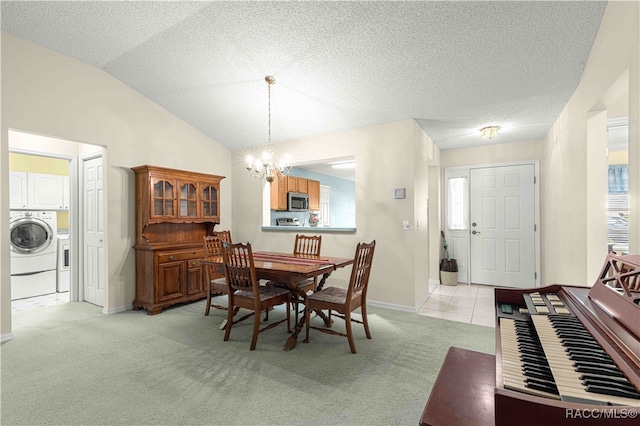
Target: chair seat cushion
x,y
265,293
219,285
331,295
309,282
305,283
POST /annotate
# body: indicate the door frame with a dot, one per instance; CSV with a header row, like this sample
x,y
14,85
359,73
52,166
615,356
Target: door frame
x,y
464,171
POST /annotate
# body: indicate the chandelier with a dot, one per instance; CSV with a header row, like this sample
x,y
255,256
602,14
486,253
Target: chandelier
x,y
490,131
265,165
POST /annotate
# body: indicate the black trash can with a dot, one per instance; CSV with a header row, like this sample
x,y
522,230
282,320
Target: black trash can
x,y
448,272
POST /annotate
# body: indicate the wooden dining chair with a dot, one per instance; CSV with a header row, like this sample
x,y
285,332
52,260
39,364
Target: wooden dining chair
x,y
216,286
342,301
245,292
306,245
224,235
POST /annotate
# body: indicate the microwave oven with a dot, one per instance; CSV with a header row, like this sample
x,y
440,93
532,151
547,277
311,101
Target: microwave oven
x,y
297,202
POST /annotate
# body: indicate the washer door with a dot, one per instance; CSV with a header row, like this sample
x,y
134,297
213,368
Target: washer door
x,y
30,235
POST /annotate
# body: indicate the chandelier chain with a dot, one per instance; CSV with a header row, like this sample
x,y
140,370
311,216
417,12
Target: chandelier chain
x,y
269,105
266,166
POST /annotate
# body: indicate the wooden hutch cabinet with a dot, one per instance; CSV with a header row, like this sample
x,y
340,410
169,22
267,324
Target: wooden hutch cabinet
x,y
175,209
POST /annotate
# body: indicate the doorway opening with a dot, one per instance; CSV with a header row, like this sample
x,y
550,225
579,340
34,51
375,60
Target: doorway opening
x,y
45,179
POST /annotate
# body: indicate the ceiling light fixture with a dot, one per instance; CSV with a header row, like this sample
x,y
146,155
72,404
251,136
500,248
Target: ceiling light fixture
x,y
265,165
490,131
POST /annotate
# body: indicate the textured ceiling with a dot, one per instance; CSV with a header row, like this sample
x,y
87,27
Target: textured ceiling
x,y
452,66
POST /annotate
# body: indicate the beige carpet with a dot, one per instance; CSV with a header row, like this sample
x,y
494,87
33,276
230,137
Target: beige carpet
x,y
72,365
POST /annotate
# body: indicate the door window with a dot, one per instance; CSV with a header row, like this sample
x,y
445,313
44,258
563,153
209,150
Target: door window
x,y
618,185
457,211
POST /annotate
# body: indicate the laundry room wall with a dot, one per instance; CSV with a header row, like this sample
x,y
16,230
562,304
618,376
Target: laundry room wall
x,y
38,164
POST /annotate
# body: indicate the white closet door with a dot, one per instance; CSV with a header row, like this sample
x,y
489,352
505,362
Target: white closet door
x,y
93,233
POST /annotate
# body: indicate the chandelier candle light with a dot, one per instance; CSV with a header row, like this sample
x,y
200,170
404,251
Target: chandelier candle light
x,y
266,165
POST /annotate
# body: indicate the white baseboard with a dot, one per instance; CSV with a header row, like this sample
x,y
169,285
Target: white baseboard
x,y
117,309
422,301
6,337
391,306
417,308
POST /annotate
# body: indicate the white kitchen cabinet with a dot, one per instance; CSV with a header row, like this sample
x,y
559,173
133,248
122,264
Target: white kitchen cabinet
x,y
17,190
44,191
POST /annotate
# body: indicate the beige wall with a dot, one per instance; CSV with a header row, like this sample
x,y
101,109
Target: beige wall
x,y
573,252
492,153
50,94
385,160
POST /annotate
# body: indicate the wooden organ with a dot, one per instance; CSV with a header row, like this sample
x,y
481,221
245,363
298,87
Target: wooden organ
x,y
564,355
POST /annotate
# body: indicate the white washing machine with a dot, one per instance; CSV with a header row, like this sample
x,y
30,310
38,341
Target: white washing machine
x,y
34,249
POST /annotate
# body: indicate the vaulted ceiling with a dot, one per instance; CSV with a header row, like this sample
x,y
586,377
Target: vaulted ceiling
x,y
453,66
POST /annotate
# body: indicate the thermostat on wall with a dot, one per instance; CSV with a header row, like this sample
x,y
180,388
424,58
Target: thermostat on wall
x,y
399,193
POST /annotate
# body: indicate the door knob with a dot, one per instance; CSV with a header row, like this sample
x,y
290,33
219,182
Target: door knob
x,y
475,232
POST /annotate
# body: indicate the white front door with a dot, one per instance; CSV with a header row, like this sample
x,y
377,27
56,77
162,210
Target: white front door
x,y
93,230
502,219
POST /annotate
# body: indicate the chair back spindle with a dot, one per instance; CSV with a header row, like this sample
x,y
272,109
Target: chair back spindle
x,y
224,235
307,245
239,267
215,286
213,243
361,270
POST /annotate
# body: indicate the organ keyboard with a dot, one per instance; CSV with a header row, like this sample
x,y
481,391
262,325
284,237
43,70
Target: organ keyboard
x,y
562,349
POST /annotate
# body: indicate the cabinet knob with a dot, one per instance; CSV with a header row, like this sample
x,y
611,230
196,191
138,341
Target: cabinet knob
x,y
171,257
194,263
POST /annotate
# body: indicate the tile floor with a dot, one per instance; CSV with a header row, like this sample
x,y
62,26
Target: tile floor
x,y
472,304
39,301
468,303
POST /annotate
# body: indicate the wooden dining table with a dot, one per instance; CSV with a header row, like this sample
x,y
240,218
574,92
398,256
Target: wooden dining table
x,y
287,270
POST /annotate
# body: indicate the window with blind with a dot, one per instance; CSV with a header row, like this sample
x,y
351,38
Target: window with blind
x,y
618,185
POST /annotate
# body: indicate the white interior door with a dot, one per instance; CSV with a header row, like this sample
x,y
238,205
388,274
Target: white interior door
x,y
92,227
325,205
502,219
